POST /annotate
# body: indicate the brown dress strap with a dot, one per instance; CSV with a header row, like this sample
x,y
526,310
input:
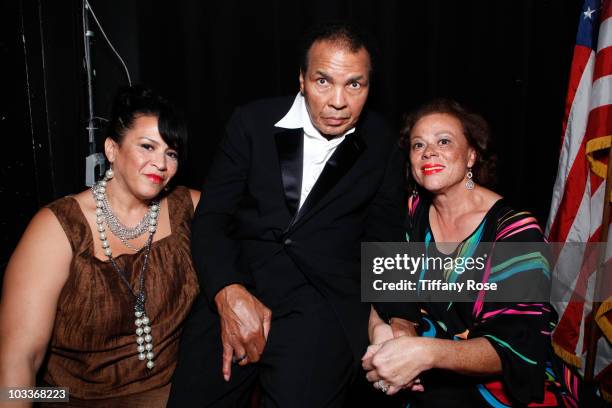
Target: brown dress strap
x,y
73,221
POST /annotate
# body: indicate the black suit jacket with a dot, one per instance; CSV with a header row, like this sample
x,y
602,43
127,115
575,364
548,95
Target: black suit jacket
x,y
247,228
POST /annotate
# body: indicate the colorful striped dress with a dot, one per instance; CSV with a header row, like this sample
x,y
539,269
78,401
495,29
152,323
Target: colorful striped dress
x,y
519,332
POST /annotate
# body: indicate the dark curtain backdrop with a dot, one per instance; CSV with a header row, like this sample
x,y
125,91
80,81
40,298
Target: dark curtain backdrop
x,y
508,59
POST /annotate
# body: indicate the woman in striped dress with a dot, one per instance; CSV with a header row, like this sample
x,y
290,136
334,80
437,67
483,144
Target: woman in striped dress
x,y
480,352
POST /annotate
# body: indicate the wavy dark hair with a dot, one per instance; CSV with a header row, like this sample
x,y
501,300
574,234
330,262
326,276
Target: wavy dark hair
x,y
137,100
475,129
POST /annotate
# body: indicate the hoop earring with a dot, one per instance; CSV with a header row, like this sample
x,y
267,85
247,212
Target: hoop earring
x,y
469,184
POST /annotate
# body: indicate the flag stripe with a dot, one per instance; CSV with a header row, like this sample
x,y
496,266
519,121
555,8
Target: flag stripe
x,y
606,11
605,34
577,118
602,92
580,63
572,197
603,63
600,121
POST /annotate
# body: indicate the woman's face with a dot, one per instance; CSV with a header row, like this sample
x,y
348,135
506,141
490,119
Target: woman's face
x,y
439,152
143,163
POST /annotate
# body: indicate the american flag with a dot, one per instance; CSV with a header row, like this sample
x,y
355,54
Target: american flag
x,y
578,196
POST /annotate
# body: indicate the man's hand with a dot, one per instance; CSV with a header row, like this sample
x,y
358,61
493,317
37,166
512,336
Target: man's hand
x,y
245,324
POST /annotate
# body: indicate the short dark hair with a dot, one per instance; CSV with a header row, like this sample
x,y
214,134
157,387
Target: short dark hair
x,y
344,33
475,128
137,100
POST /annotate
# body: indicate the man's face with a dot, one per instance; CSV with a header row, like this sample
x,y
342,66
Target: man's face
x,y
335,86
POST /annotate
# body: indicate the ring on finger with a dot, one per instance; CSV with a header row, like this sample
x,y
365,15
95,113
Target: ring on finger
x,y
236,360
380,384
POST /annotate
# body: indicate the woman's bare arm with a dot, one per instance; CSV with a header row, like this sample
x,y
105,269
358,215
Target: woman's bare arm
x,y
34,278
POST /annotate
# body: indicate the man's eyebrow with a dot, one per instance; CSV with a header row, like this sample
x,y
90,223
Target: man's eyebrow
x,y
348,81
355,78
323,74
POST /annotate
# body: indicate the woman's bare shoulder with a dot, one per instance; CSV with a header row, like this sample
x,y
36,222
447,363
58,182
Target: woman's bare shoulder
x,y
488,198
85,200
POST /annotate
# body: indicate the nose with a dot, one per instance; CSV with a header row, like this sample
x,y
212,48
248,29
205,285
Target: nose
x,y
160,161
338,99
429,151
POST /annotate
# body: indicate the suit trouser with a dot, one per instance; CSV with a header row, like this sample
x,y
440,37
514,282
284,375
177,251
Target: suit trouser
x,y
307,361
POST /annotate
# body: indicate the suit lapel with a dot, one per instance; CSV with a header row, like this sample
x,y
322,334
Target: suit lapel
x,y
290,148
337,166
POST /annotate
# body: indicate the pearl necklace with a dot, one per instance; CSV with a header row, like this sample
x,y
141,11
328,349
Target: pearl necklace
x,y
105,213
144,338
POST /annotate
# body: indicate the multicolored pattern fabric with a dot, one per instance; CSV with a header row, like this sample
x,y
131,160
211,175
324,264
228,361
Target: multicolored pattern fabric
x,y
519,332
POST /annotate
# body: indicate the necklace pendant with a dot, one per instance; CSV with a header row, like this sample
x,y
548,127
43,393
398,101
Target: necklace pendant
x,y
139,307
144,339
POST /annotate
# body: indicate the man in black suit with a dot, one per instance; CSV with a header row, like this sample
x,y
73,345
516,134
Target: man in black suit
x,y
296,185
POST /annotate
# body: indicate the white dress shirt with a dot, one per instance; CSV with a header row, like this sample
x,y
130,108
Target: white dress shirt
x,y
317,149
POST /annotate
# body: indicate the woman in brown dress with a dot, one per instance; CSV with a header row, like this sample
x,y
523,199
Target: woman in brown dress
x,y
97,289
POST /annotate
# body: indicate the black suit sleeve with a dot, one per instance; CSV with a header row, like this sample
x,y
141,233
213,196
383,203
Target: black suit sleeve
x,y
385,223
386,213
215,253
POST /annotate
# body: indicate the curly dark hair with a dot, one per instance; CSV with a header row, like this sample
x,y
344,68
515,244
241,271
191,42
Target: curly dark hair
x,y
345,33
475,129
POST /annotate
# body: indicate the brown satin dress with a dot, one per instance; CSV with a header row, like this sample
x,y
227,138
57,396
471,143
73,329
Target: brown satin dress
x,y
92,350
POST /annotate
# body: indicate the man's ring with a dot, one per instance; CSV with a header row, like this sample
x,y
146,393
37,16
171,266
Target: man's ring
x,y
382,386
236,360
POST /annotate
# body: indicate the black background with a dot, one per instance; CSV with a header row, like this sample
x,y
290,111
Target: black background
x,y
508,59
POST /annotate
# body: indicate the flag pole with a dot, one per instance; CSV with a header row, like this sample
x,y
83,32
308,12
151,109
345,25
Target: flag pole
x,y
595,331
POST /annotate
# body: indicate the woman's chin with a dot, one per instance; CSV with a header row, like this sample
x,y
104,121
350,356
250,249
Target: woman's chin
x,y
434,188
150,192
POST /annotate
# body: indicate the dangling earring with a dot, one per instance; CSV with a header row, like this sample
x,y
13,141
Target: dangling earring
x,y
109,174
469,184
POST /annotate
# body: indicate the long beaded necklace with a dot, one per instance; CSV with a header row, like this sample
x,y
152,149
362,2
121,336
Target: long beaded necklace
x,y
144,338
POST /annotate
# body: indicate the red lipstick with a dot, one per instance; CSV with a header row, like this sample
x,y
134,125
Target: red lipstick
x,y
154,178
431,168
